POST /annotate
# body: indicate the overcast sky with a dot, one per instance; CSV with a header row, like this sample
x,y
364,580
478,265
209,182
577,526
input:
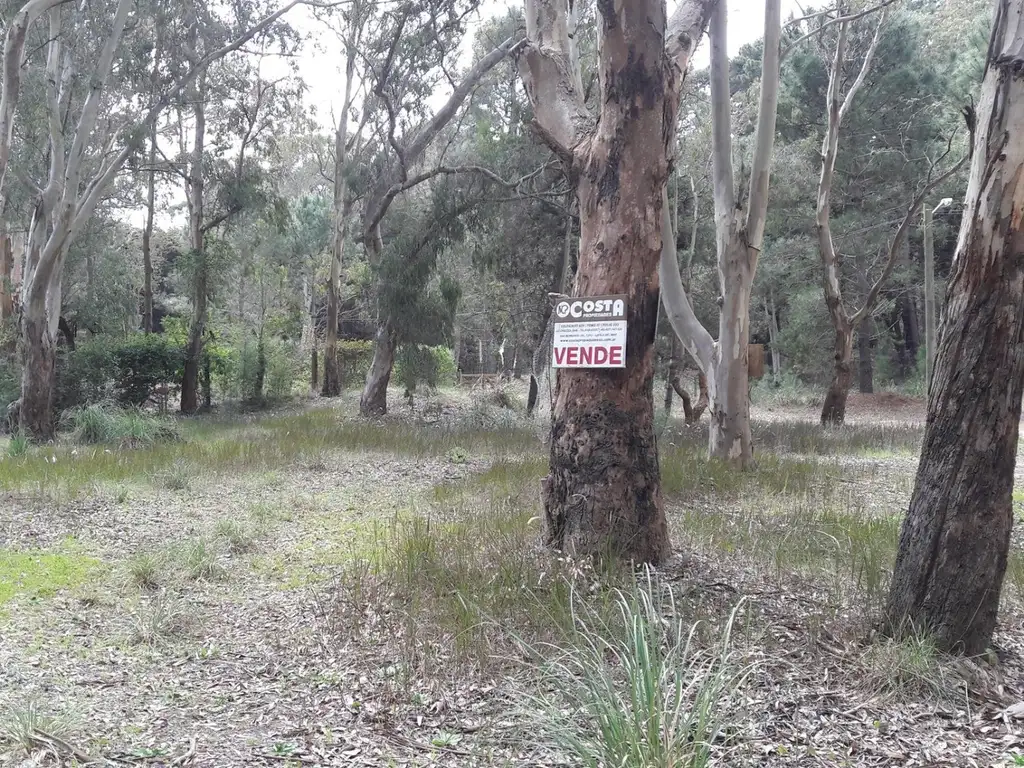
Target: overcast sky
x,y
321,69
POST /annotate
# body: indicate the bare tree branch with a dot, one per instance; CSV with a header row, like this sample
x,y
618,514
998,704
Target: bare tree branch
x,y
837,20
549,67
694,336
721,120
901,233
760,172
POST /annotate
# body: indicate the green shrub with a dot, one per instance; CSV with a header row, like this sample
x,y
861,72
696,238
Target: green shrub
x,y
354,356
282,366
142,362
10,387
420,364
87,374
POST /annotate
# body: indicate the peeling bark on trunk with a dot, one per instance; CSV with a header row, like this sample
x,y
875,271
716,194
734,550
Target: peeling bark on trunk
x,y
729,436
602,495
955,540
833,411
374,400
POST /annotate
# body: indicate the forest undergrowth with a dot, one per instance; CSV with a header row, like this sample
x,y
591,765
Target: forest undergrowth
x,y
306,588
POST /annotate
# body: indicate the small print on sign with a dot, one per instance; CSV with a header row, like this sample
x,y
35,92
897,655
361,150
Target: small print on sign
x,y
590,332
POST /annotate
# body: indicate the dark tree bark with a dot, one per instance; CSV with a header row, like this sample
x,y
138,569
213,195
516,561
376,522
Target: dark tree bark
x,y
955,539
865,367
911,328
833,410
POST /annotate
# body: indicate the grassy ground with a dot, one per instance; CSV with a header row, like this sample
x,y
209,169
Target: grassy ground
x,y
305,588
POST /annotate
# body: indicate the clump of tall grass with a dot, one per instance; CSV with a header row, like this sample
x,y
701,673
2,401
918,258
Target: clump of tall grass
x,y
631,683
128,428
25,726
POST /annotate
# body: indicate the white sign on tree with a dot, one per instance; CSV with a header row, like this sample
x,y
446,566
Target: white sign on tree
x,y
590,332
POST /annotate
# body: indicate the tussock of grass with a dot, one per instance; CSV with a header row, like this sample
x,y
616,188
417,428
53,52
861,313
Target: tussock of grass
x,y
18,446
23,726
198,560
630,684
145,570
158,619
907,669
239,538
128,428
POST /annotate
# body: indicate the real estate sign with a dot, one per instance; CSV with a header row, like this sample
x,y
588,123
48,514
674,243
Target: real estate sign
x,y
590,332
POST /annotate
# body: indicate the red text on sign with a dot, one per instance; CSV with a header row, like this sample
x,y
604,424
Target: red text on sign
x,y
589,355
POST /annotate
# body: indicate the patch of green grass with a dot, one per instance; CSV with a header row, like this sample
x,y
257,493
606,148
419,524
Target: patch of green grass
x,y
18,446
128,428
455,577
262,444
687,472
39,574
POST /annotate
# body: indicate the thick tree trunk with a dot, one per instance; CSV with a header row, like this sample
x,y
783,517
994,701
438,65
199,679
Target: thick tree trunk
x,y
190,375
865,361
955,539
833,411
38,373
729,437
374,400
602,495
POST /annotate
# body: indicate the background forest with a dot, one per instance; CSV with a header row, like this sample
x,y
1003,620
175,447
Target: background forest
x,y
216,234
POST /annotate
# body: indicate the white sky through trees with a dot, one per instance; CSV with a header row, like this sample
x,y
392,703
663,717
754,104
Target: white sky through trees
x,y
321,61
320,65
